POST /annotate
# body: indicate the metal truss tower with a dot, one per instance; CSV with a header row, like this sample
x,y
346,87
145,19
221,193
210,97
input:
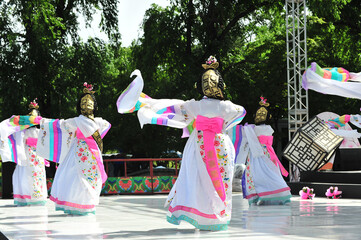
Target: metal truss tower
x,y
296,65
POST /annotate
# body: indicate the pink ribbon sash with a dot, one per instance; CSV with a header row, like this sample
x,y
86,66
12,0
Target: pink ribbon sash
x,y
93,147
31,141
211,126
268,140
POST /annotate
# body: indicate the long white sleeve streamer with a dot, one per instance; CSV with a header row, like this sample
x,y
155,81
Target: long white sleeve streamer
x,y
312,80
253,142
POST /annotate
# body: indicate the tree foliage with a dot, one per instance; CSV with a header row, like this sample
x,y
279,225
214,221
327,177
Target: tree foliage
x,y
42,56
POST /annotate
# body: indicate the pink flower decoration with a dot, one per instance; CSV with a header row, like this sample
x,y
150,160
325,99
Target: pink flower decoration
x,y
79,154
307,193
94,167
333,193
216,143
211,60
264,100
88,86
81,149
84,158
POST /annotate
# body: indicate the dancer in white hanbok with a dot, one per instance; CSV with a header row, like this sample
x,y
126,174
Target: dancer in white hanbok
x,y
76,144
262,182
19,145
202,194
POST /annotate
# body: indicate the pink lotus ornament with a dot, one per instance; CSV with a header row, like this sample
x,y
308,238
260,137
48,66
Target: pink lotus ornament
x,y
333,193
307,193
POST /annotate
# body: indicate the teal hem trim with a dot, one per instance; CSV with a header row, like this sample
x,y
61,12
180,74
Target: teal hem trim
x,y
271,201
74,212
39,203
215,227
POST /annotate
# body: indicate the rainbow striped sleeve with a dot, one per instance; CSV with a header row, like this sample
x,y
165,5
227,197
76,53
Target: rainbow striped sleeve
x,y
339,122
187,131
24,121
55,137
237,138
13,150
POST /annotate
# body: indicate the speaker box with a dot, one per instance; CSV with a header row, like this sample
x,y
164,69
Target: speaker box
x,y
347,159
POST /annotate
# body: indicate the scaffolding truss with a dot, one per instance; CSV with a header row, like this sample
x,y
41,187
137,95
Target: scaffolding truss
x,y
296,65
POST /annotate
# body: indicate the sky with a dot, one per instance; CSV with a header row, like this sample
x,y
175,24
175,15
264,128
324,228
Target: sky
x,y
131,13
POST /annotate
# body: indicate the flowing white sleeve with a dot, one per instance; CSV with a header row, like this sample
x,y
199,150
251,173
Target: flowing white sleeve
x,y
234,115
254,145
243,151
166,112
311,80
104,126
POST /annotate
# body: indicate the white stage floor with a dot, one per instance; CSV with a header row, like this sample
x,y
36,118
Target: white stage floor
x,y
143,217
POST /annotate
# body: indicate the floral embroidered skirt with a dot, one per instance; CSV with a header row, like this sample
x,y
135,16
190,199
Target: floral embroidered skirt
x,y
77,182
193,198
29,182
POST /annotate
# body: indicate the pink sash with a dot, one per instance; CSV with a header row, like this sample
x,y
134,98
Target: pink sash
x,y
211,126
268,140
93,147
31,141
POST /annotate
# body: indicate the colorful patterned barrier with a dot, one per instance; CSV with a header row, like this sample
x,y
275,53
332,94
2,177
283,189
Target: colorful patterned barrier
x,y
144,184
129,185
136,184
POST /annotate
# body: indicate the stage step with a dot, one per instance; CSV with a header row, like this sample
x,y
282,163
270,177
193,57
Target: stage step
x,y
353,177
348,190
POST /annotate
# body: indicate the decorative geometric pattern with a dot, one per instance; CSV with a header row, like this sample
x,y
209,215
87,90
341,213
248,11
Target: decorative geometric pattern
x,y
312,145
144,184
122,185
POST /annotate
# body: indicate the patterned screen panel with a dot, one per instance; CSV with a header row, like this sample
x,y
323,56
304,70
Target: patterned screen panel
x,y
312,145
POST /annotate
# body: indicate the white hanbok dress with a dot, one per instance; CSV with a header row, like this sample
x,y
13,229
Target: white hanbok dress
x,y
29,179
262,181
78,180
202,194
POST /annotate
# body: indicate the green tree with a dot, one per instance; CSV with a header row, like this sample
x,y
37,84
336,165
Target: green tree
x,y
34,37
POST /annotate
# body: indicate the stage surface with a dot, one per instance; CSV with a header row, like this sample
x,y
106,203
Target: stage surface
x,y
143,217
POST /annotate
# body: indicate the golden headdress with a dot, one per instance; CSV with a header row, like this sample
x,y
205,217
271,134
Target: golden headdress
x,y
87,103
262,114
88,88
211,63
211,84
